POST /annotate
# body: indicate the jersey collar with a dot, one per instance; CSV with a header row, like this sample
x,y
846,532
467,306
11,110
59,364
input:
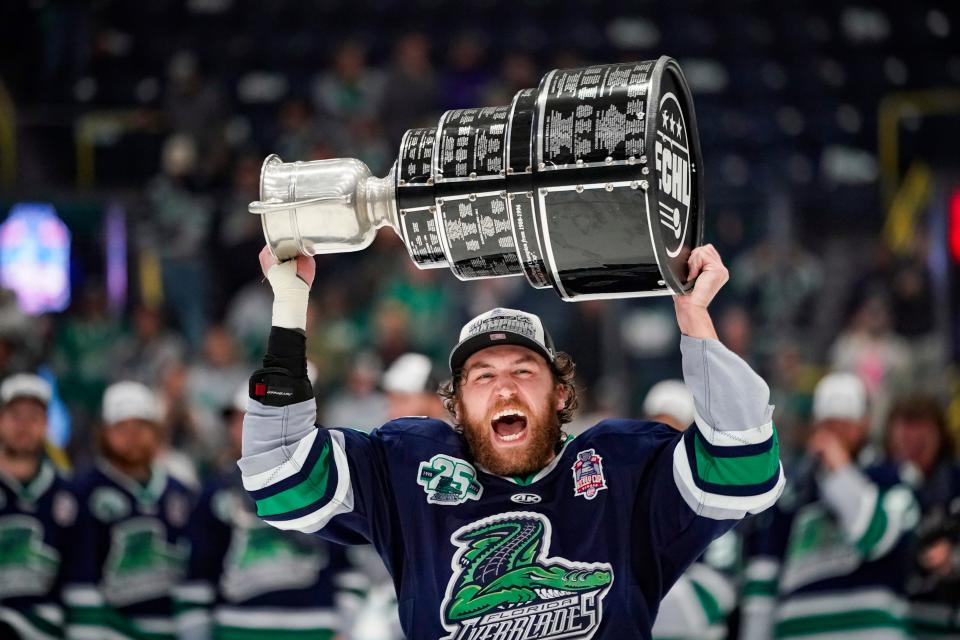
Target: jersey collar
x,y
531,479
34,488
147,494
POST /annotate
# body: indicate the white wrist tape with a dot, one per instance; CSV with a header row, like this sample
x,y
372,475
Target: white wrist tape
x,y
290,295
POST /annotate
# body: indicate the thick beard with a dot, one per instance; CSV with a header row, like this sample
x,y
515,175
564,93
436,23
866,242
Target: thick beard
x,y
544,434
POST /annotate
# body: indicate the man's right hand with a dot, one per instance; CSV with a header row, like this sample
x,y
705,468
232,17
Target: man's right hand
x,y
306,266
290,281
828,449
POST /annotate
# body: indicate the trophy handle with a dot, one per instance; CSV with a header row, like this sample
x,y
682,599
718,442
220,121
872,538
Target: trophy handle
x,y
262,208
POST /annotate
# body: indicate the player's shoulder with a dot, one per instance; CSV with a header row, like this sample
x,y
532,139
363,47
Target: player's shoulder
x,y
625,438
411,429
176,486
629,429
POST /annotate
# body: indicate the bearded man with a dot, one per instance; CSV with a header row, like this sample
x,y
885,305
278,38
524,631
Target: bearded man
x,y
501,526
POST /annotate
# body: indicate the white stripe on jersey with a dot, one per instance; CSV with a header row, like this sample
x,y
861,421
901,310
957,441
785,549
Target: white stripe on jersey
x,y
728,438
713,505
290,467
341,502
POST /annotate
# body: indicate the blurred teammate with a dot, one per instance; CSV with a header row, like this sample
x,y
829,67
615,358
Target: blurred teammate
x,y
917,436
245,579
697,606
35,512
411,386
502,526
131,548
831,557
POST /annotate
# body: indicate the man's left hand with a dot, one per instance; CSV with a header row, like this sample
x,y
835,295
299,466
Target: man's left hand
x,y
710,273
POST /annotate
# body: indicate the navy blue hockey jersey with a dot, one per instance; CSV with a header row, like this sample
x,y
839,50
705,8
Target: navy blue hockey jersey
x,y
568,552
132,551
820,568
585,548
35,518
246,579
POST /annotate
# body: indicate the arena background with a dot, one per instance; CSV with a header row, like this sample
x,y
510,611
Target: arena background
x,y
829,132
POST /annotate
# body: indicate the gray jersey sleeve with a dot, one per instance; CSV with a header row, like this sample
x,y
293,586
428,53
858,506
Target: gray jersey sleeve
x,y
728,464
271,435
728,395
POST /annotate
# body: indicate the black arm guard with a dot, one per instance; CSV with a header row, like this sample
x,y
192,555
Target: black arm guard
x,y
283,379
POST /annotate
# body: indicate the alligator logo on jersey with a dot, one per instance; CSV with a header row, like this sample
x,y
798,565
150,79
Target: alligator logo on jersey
x,y
29,566
109,505
449,481
141,565
588,478
262,560
505,584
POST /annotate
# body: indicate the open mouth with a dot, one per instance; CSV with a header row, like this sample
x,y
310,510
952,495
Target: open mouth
x,y
509,425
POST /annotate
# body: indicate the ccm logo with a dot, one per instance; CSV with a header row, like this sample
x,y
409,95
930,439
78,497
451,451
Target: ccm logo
x,y
525,498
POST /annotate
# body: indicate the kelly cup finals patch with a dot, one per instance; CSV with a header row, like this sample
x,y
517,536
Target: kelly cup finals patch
x,y
588,478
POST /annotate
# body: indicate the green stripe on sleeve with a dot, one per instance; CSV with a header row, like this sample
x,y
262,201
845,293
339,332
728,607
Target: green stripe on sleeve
x,y
43,625
103,617
760,588
709,604
302,494
875,530
240,633
739,471
839,623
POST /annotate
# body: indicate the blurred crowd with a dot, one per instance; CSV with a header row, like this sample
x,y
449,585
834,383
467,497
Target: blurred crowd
x,y
850,335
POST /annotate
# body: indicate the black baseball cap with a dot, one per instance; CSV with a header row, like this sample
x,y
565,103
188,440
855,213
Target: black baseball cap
x,y
502,326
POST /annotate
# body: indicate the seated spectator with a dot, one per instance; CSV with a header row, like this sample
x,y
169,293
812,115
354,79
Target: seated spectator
x,y
870,348
360,404
144,355
211,382
81,359
832,556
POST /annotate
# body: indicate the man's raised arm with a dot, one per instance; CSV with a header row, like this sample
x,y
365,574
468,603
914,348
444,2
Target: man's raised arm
x,y
298,475
729,464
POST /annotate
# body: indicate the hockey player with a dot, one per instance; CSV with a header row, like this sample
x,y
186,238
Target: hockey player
x,y
698,604
831,559
502,527
411,387
130,528
36,511
918,438
248,580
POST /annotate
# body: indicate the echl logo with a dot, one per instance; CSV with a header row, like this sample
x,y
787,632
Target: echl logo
x,y
674,172
588,478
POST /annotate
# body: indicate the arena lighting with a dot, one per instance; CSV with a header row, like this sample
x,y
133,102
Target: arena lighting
x,y
35,257
953,213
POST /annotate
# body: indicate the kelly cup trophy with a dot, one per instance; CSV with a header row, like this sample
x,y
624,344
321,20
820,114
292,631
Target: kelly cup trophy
x,y
591,184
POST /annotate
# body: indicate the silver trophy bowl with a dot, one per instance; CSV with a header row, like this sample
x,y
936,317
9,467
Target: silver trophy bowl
x,y
322,206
